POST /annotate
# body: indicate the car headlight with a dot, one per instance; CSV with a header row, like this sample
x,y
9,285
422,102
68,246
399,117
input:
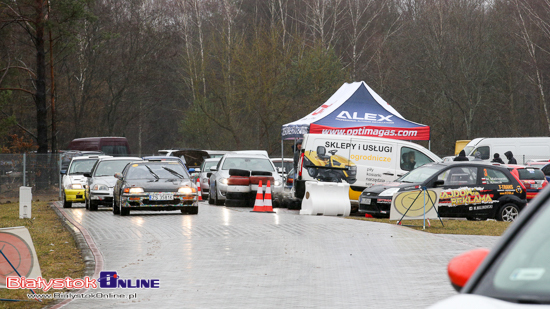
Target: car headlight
x,y
223,180
133,190
75,186
100,187
277,183
205,180
389,192
186,190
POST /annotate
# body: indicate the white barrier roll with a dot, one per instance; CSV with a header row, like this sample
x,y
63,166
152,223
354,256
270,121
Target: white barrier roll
x,y
326,199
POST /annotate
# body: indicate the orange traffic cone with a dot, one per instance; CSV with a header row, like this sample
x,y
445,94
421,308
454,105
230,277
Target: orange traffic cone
x,y
259,204
199,188
268,207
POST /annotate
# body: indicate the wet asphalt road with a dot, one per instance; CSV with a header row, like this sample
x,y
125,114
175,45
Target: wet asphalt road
x,y
234,258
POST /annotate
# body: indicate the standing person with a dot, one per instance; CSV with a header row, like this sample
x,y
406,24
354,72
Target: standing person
x,y
461,156
497,159
297,152
510,156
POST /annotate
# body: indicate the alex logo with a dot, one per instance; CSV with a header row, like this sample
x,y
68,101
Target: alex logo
x,y
367,116
111,280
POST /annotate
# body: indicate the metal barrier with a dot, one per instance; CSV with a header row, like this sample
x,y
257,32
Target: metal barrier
x,y
326,198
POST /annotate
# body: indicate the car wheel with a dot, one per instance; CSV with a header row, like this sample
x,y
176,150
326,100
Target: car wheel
x,y
87,203
192,210
216,199
93,206
210,197
116,210
65,203
509,212
124,211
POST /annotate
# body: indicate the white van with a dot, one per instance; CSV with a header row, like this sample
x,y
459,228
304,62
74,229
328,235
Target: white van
x,y
358,160
523,148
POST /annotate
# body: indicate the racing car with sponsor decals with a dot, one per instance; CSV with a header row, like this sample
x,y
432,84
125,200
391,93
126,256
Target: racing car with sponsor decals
x,y
470,190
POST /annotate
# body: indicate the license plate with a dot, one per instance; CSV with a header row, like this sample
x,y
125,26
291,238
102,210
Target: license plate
x,y
161,196
366,201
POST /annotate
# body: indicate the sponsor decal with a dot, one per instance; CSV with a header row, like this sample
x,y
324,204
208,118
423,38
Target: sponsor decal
x,y
464,196
345,115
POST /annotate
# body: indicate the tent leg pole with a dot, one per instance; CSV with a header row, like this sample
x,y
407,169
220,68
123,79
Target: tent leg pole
x,y
430,145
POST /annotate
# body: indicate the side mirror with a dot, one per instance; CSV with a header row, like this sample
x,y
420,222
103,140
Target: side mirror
x,y
438,183
462,267
63,172
118,176
213,169
89,175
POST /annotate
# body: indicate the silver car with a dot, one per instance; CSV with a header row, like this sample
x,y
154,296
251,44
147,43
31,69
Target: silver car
x,y
101,181
244,160
205,174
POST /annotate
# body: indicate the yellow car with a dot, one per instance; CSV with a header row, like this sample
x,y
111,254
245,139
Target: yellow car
x,y
74,181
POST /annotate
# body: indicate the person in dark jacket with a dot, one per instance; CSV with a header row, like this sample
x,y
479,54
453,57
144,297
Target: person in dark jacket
x,y
510,156
297,153
461,156
497,159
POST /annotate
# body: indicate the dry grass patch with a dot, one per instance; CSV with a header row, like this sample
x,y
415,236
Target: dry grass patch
x,y
55,247
451,226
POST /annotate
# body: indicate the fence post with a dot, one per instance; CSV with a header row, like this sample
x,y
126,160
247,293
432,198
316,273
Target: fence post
x,y
24,169
60,178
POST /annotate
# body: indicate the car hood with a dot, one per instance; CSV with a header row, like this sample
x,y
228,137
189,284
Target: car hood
x,y
478,301
161,184
380,187
76,179
110,181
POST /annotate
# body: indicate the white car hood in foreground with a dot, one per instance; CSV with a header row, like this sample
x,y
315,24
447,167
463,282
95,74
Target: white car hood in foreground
x,y
109,181
472,301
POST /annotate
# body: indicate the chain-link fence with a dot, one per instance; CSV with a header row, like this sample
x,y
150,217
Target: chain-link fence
x,y
39,171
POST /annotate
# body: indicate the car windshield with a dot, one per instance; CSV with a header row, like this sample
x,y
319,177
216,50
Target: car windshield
x,y
530,174
207,165
420,174
109,168
251,164
522,271
468,149
156,171
80,167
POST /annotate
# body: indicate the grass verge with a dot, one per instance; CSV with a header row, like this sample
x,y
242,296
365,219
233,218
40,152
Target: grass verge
x,y
451,226
58,255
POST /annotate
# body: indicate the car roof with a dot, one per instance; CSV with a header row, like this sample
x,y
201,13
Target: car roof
x,y
121,158
246,155
212,159
90,157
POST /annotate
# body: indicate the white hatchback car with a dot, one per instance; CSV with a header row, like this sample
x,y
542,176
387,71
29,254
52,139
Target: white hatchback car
x,y
101,181
243,160
74,181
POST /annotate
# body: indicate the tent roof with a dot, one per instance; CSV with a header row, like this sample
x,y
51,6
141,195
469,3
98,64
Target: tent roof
x,y
355,109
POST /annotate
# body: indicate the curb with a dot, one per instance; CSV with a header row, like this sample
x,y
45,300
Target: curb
x,y
85,251
93,260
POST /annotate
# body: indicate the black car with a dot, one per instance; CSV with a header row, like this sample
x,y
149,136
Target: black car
x,y
476,191
154,185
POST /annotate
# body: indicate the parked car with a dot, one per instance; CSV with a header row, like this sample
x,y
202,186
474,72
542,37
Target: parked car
x,y
74,182
101,181
257,161
115,146
532,178
514,274
154,185
471,190
284,168
205,174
